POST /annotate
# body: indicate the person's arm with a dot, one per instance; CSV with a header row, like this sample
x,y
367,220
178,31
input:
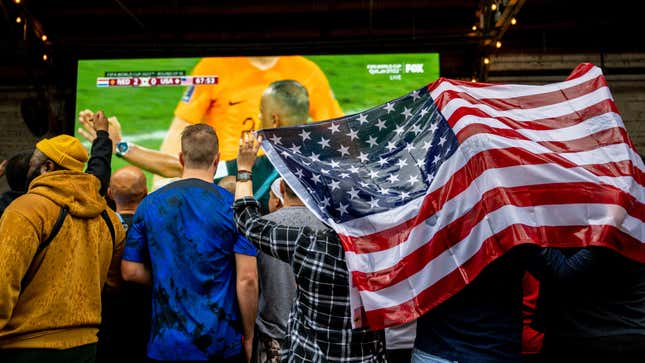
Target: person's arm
x,y
171,145
100,160
247,297
271,238
154,161
19,241
135,261
136,272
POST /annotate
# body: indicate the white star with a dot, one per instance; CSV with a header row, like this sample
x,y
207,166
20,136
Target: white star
x,y
353,169
373,203
442,140
353,193
276,140
409,147
344,150
343,175
305,135
380,124
364,184
324,171
353,134
401,163
424,111
427,145
295,148
430,178
342,208
421,163
363,157
437,158
407,112
393,178
314,157
399,130
362,118
382,161
373,174
413,179
324,203
315,178
299,173
334,163
391,146
334,184
372,141
389,107
323,143
333,128
415,95
384,191
433,127
404,195
416,129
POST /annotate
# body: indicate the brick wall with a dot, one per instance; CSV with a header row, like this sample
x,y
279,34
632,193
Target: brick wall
x,y
14,134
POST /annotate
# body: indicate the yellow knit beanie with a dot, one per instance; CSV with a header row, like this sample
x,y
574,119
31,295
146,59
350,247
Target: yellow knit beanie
x,y
65,151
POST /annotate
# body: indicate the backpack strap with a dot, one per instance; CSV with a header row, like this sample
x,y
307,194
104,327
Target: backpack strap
x,y
40,252
110,226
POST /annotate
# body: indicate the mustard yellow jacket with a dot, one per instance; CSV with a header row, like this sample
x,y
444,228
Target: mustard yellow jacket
x,y
61,307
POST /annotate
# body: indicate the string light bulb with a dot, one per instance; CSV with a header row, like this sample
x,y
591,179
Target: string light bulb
x,y
513,21
43,38
18,20
493,7
17,1
486,60
45,57
473,79
498,44
474,28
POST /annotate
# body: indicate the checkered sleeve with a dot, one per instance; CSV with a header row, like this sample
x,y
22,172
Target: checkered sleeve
x,y
276,240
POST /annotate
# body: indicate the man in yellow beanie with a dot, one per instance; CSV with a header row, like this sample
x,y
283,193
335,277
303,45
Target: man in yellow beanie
x,y
59,245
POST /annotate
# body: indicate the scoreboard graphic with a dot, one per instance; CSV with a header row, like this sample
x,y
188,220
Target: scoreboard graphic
x,y
153,79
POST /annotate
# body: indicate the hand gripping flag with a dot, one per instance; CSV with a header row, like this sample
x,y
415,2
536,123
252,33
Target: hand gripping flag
x,y
428,189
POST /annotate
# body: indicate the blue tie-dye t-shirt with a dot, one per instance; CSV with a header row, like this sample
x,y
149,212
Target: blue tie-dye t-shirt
x,y
186,233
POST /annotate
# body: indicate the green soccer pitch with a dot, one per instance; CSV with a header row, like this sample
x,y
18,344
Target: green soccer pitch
x,y
145,113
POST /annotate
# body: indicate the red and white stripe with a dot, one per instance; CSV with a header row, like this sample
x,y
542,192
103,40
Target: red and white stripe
x,y
550,165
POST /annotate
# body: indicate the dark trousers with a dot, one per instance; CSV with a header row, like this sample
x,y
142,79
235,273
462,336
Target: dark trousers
x,y
399,355
82,354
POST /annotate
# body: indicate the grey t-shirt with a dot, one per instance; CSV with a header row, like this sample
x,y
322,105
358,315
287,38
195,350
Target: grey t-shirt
x,y
277,283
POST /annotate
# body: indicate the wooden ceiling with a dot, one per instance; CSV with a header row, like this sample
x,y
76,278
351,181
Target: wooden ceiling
x,y
164,28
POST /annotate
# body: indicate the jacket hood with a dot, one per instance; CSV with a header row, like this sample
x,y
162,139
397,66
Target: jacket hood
x,y
76,190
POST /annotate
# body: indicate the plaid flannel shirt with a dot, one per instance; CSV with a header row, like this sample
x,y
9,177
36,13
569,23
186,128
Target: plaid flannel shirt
x,y
320,327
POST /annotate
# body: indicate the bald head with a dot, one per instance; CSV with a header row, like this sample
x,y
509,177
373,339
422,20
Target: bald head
x,y
127,188
284,103
228,183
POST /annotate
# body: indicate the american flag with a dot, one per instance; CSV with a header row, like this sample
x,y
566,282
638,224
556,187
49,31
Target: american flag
x,y
428,189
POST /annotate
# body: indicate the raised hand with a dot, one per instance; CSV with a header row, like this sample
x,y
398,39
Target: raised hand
x,y
88,120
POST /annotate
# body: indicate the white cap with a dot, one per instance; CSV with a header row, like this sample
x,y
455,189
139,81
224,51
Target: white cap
x,y
275,188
